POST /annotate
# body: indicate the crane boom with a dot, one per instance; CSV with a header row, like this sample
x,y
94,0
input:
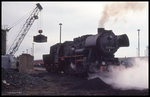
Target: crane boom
x,y
24,30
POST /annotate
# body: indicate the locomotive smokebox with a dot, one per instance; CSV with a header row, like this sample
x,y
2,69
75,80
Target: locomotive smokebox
x,y
123,40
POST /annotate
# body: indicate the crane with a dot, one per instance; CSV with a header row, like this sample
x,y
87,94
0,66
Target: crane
x,y
9,61
24,30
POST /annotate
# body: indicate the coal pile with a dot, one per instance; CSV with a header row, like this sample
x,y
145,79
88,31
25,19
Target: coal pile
x,y
93,84
14,80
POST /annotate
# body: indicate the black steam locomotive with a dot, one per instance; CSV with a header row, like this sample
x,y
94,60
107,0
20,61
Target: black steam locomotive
x,y
85,54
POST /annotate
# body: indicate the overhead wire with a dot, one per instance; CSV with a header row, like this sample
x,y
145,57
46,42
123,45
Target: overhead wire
x,y
21,19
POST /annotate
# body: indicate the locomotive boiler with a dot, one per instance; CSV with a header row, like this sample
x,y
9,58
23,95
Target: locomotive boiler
x,y
85,54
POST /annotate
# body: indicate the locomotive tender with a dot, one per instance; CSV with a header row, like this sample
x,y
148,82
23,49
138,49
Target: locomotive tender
x,y
85,54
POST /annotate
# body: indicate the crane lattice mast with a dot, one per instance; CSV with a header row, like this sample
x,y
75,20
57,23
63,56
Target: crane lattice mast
x,y
24,30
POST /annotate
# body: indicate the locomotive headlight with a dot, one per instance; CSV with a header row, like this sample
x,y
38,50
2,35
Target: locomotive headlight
x,y
103,63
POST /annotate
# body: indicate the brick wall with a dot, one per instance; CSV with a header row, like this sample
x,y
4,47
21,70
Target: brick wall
x,y
25,63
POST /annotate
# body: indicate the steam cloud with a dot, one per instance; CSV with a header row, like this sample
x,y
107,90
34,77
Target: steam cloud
x,y
117,10
135,77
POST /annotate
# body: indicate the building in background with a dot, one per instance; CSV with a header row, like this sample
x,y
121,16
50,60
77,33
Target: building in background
x,y
147,51
3,41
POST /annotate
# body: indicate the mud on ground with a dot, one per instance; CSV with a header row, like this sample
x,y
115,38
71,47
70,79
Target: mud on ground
x,y
41,82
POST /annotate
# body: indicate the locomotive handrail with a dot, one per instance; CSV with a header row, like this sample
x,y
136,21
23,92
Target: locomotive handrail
x,y
71,56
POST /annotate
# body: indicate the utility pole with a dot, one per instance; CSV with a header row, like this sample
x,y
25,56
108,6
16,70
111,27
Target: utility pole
x,y
27,51
60,31
32,49
138,42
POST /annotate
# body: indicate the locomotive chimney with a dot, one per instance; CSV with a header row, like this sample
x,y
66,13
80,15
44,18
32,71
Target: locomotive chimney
x,y
100,30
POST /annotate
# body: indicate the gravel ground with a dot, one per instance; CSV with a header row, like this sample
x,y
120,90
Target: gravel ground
x,y
43,83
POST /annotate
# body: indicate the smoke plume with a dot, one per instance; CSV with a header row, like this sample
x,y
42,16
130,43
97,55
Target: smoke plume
x,y
118,10
135,77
